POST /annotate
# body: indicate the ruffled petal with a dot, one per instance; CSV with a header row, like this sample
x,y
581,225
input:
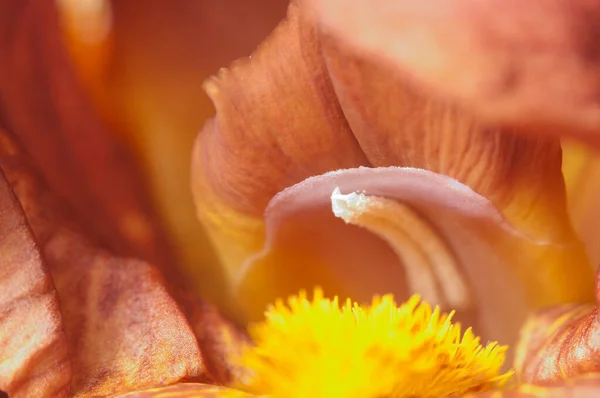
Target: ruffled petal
x,y
33,358
124,330
397,123
278,122
560,343
307,246
301,106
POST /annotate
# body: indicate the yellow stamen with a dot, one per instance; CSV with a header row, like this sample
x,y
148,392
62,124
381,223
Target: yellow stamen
x,y
323,350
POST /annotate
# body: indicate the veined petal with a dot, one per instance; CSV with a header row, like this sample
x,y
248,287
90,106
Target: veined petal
x,y
221,341
532,64
33,358
398,123
560,343
301,107
307,246
277,123
123,329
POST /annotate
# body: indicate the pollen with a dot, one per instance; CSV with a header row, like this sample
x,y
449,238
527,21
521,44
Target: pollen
x,y
319,348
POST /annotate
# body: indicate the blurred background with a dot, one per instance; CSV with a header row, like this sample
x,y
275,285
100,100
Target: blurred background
x,y
143,64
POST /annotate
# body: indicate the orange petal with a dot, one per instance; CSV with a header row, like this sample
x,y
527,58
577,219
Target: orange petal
x,y
33,358
221,341
273,129
307,246
188,390
41,100
532,64
280,119
123,329
560,343
396,123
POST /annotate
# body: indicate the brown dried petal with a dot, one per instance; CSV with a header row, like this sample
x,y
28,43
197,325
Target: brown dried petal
x,y
124,330
33,349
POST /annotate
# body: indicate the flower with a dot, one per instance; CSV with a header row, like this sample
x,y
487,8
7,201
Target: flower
x,y
435,193
305,114
317,348
320,349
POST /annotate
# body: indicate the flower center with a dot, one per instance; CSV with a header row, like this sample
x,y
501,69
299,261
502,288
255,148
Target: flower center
x,y
321,349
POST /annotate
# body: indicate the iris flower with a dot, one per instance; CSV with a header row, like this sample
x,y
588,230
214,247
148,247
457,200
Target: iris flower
x,y
372,178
